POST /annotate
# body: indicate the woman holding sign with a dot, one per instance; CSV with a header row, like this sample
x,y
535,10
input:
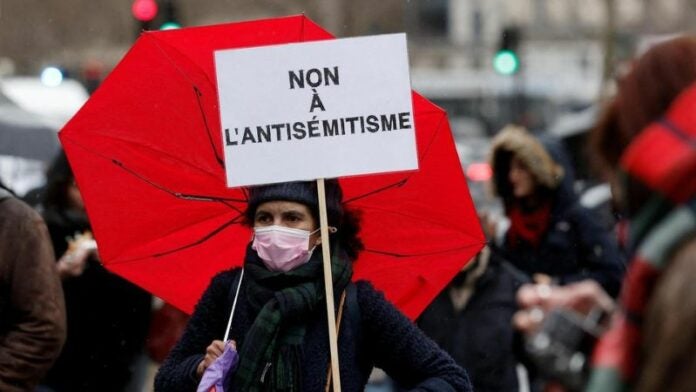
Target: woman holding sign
x,y
279,327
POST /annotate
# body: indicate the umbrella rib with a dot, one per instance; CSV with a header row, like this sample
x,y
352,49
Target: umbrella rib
x,y
208,236
402,182
432,140
179,195
433,253
173,63
198,93
411,216
397,184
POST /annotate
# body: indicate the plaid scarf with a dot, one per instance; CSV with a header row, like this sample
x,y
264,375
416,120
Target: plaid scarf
x,y
663,159
271,353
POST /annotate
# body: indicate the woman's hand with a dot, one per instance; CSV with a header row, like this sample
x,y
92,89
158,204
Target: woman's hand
x,y
73,262
212,353
535,300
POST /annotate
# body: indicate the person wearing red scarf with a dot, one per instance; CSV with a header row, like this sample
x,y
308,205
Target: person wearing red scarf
x,y
645,145
550,233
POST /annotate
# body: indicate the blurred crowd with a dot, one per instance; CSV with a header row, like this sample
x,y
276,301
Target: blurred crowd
x,y
560,301
556,301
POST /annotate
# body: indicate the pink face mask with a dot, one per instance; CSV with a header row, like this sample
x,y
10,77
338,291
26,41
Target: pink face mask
x,y
282,248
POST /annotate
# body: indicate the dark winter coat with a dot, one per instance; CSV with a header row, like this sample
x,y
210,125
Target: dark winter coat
x,y
574,247
32,313
108,319
480,337
376,334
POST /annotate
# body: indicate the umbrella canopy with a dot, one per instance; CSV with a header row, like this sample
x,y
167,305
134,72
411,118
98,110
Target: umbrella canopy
x,y
25,135
147,156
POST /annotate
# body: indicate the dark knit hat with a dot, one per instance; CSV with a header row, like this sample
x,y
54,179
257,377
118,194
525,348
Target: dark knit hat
x,y
304,192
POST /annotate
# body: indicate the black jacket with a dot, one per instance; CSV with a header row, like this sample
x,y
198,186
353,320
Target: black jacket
x,y
573,248
108,319
382,337
480,337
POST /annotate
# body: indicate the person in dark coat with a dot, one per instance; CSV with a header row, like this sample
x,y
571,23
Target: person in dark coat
x,y
550,233
107,316
645,142
645,147
280,322
471,319
32,311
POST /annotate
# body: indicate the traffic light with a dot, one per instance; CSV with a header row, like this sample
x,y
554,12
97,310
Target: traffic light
x,y
149,13
507,59
144,11
169,16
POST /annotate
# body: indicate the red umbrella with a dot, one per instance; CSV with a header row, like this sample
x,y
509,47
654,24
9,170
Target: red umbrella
x,y
146,152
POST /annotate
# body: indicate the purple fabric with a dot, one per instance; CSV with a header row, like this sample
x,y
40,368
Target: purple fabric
x,y
215,375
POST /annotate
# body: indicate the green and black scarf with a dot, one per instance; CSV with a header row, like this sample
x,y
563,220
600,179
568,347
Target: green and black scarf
x,y
271,354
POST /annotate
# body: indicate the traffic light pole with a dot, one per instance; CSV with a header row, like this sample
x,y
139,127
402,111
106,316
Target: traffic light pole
x,y
520,99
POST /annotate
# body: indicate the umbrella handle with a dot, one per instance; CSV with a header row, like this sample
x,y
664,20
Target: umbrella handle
x,y
234,305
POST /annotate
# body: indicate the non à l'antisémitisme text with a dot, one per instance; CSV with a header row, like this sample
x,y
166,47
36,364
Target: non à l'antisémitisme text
x,y
303,130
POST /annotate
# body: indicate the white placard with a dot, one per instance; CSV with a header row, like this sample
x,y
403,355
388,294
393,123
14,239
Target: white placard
x,y
319,109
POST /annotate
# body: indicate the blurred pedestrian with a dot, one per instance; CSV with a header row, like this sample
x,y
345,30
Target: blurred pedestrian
x,y
107,316
550,233
166,327
646,144
32,312
280,325
472,320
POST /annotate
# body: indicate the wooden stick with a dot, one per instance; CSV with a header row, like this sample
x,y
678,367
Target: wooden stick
x,y
338,330
328,285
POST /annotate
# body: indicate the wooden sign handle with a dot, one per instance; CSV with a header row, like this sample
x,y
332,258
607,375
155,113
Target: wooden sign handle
x,y
328,285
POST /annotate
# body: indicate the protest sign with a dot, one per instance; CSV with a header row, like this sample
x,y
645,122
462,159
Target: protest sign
x,y
320,109
317,110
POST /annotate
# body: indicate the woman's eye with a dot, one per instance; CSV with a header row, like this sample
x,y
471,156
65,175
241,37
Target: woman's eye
x,y
263,219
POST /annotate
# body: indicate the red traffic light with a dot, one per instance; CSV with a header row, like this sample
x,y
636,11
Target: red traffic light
x,y
144,10
479,171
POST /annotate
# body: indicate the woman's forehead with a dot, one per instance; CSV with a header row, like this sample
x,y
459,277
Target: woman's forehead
x,y
518,161
282,206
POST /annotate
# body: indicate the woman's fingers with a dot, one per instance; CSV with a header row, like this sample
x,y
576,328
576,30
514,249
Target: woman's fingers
x,y
530,295
219,346
588,295
214,351
72,263
536,300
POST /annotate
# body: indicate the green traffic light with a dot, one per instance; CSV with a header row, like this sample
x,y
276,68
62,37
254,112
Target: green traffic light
x,y
506,62
170,26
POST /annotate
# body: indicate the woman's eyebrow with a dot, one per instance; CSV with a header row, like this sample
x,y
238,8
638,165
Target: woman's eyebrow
x,y
293,212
